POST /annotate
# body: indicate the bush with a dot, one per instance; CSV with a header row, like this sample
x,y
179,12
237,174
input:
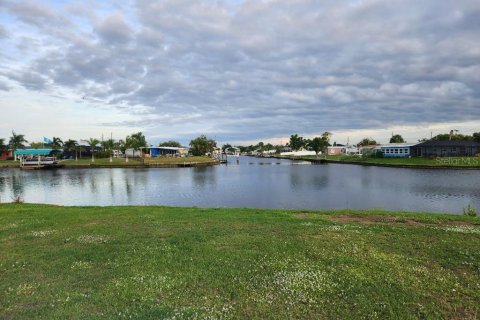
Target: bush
x,y
470,211
103,154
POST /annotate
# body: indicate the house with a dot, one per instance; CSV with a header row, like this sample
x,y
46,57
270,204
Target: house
x,y
336,151
4,155
397,150
165,151
133,153
435,148
342,150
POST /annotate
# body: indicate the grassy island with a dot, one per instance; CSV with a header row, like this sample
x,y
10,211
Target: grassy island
x,y
175,263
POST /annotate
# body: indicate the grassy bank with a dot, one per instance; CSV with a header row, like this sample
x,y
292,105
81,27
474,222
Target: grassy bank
x,y
445,162
9,164
121,162
156,262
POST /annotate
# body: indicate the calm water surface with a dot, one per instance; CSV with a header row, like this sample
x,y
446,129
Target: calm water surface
x,y
255,183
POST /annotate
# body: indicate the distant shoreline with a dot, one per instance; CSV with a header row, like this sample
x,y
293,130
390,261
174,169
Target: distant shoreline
x,y
121,163
383,162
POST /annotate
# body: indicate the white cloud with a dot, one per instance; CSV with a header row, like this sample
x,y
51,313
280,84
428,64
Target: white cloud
x,y
244,70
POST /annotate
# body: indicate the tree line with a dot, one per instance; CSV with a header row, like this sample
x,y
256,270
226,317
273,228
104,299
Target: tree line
x,y
198,146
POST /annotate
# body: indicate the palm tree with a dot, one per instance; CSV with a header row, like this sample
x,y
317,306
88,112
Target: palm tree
x,y
56,143
17,142
93,143
108,144
71,145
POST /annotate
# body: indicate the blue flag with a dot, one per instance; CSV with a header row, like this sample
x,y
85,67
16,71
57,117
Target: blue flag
x,y
46,140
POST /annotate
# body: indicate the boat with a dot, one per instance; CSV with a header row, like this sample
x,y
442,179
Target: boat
x,y
35,159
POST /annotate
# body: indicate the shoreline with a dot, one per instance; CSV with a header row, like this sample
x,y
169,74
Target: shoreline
x,y
376,164
185,164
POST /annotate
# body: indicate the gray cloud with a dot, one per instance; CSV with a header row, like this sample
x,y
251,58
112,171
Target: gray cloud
x,y
260,69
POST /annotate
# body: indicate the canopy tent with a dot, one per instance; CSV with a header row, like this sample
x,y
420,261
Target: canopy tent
x,y
37,152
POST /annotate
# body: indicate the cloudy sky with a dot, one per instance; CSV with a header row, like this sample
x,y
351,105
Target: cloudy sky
x,y
239,71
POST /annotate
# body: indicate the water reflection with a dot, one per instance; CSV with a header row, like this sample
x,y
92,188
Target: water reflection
x,y
251,183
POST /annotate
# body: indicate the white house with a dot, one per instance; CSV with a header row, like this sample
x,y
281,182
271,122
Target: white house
x,y
397,150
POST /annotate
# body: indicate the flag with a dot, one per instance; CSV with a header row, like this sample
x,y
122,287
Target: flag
x,y
46,140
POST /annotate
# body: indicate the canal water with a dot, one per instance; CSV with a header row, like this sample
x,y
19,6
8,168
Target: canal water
x,y
252,183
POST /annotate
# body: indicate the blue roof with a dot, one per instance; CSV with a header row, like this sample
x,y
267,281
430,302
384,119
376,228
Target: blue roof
x,y
36,152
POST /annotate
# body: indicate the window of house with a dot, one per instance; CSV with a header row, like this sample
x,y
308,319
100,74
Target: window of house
x,y
396,150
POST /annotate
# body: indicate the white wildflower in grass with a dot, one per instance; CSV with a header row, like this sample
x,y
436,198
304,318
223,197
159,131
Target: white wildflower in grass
x,y
307,224
42,233
142,287
8,226
460,229
26,289
289,281
81,265
91,239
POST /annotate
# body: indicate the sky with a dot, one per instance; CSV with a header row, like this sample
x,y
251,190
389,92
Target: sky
x,y
239,71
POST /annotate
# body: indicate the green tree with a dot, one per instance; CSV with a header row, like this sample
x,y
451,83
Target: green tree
x,y
37,145
366,142
108,144
326,136
296,142
70,146
476,136
92,142
202,145
17,142
316,144
453,135
136,141
170,143
397,139
57,143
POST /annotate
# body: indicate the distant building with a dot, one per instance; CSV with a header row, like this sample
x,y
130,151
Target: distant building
x,y
397,150
341,150
336,151
446,148
6,155
166,151
299,153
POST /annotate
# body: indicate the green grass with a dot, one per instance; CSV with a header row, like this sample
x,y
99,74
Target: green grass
x,y
158,262
414,161
9,163
121,162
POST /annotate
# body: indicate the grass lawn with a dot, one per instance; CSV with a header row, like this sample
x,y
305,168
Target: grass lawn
x,y
9,163
175,263
121,162
415,161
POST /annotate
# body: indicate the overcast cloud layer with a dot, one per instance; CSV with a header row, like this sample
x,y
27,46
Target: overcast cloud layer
x,y
244,70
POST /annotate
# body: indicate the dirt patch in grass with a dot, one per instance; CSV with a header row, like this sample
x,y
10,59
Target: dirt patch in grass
x,y
392,220
302,215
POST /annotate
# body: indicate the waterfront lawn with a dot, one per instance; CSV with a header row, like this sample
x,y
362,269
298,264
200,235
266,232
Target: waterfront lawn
x,y
9,163
158,262
177,161
116,162
414,161
121,162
